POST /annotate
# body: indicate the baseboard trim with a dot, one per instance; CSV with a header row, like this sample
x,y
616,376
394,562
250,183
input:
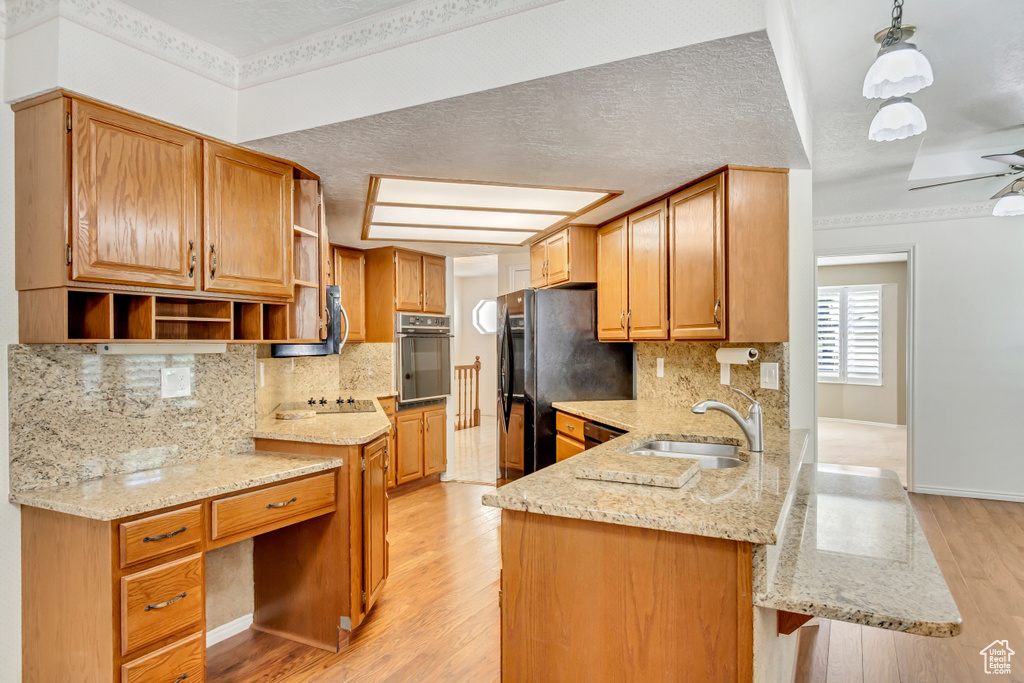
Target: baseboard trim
x,y
225,631
860,422
969,493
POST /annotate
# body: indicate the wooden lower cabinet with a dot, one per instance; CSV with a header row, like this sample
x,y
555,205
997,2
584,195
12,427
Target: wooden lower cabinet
x,y
565,616
99,605
421,435
566,447
569,439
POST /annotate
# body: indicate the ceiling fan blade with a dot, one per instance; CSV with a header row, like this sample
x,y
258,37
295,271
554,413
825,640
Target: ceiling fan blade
x,y
1008,189
1015,159
965,180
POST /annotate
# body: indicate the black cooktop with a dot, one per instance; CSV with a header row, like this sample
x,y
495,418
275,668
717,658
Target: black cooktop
x,y
339,405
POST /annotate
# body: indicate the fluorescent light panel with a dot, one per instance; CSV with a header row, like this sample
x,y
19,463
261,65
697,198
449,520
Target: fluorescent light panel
x,y
474,195
410,215
409,233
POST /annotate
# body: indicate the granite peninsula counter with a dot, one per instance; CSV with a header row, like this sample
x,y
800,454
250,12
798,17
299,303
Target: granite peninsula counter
x,y
782,519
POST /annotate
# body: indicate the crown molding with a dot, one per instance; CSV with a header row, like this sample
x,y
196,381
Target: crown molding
x,y
410,23
923,215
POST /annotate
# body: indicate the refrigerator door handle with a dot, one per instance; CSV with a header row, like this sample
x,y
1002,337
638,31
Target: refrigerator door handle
x,y
507,371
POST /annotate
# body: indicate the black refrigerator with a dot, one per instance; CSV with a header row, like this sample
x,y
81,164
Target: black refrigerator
x,y
548,351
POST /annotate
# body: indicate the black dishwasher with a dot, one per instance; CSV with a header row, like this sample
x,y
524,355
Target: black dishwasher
x,y
596,434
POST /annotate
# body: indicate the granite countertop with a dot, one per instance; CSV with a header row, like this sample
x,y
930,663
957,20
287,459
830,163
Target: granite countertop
x,y
853,550
347,429
744,503
123,495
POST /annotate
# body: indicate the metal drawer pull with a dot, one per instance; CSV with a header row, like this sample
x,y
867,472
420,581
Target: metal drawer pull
x,y
180,678
281,505
161,537
161,605
572,427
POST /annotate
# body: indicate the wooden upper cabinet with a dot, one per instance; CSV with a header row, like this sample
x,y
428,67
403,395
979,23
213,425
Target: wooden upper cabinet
x,y
408,281
350,276
135,200
375,521
538,264
612,281
558,258
697,261
434,439
433,284
247,239
647,317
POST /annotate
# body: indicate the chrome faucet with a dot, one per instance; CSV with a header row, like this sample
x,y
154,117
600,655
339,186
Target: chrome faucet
x,y
752,426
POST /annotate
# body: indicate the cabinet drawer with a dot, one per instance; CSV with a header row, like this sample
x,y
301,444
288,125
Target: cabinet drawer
x,y
144,539
249,511
388,404
161,602
180,661
570,425
566,447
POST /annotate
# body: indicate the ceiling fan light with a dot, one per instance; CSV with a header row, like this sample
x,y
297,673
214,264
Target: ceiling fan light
x,y
1010,205
899,70
897,118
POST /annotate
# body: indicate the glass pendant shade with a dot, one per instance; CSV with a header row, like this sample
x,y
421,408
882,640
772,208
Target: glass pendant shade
x,y
897,118
899,70
1010,205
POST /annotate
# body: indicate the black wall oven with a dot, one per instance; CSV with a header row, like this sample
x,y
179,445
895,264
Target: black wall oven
x,y
423,345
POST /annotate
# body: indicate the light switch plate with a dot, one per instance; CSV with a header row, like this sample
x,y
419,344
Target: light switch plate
x,y
661,367
770,376
175,382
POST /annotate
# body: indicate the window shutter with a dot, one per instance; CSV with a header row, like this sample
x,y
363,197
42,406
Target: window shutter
x,y
829,334
864,335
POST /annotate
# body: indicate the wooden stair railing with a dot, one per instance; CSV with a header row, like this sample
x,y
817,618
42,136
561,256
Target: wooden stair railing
x,y
467,379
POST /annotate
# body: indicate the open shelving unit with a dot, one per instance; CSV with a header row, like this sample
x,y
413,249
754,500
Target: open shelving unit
x,y
303,313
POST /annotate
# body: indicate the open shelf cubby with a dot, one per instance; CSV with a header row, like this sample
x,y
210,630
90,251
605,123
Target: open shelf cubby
x,y
303,318
197,310
307,258
248,324
90,315
275,322
133,316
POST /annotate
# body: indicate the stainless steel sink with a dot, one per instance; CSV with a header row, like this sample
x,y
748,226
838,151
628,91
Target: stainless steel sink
x,y
712,456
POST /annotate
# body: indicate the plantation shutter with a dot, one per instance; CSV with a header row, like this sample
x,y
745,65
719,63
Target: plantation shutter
x,y
864,334
830,334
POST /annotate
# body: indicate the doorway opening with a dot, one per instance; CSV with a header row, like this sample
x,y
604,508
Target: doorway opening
x,y
863,361
472,456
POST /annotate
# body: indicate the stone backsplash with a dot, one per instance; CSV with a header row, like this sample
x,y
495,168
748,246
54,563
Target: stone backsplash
x,y
77,415
692,374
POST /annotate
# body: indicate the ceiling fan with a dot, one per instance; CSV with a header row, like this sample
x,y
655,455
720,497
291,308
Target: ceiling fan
x,y
1014,160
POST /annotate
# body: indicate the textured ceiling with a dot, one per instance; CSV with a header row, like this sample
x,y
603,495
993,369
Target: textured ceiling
x,y
643,126
243,27
977,53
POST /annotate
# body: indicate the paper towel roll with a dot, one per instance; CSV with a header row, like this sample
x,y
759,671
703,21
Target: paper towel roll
x,y
736,356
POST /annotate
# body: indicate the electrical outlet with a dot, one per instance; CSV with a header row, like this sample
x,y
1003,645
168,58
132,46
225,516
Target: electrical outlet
x,y
175,382
661,367
770,376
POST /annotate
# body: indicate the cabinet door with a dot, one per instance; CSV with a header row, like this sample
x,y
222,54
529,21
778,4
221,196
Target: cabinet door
x,y
392,455
350,276
612,281
434,457
135,200
538,264
408,281
647,317
410,447
566,447
558,257
375,522
516,439
247,242
697,261
433,284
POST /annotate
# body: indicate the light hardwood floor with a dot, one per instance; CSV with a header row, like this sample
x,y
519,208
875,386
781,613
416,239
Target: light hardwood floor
x,y
864,445
437,619
979,545
473,456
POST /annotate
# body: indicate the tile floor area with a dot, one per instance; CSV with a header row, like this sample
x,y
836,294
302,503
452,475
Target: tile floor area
x,y
473,456
865,445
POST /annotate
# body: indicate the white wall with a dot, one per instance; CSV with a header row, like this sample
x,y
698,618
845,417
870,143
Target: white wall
x,y
506,262
967,377
10,518
470,343
886,403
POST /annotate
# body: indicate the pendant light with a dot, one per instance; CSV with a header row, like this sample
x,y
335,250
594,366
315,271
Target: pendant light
x,y
897,118
1010,204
